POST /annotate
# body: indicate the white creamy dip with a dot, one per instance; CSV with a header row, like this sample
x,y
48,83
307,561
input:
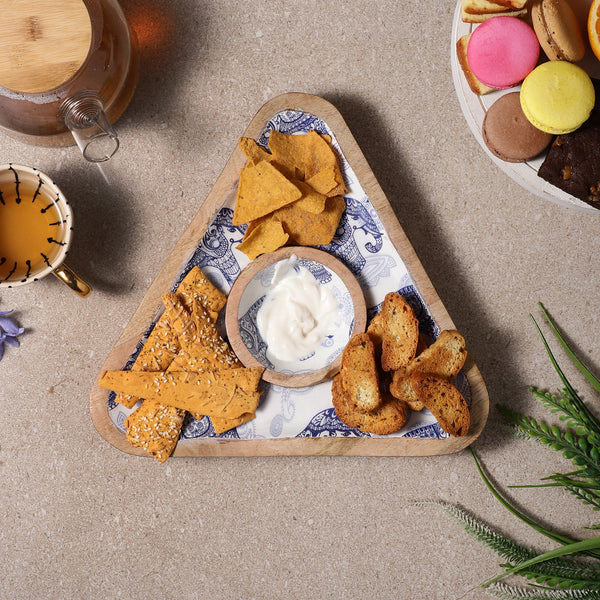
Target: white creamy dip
x,y
296,314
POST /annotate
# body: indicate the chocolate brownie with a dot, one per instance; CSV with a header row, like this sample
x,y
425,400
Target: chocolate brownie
x,y
573,162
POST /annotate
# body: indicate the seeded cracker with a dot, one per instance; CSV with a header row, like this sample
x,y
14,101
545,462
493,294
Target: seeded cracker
x,y
153,426
203,349
229,393
162,345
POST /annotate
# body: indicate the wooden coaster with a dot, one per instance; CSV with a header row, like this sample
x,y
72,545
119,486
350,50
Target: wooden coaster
x,y
43,44
235,296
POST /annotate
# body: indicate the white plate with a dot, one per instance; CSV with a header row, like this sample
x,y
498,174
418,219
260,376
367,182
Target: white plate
x,y
474,108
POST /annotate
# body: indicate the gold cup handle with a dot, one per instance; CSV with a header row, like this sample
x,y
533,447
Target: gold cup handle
x,y
68,276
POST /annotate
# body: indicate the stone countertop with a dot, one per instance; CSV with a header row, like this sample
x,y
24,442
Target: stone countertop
x,y
81,519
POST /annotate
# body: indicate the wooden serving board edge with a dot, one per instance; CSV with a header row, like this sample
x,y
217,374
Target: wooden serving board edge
x,y
146,312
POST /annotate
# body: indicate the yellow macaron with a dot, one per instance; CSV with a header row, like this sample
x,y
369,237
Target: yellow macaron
x,y
557,97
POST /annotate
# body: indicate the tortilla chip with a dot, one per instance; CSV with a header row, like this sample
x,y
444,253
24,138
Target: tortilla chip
x,y
261,190
265,236
309,158
328,181
289,152
308,229
252,151
318,154
228,393
311,200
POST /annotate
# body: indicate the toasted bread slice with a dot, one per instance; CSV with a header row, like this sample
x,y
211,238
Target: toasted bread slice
x,y
402,389
400,332
359,373
388,418
445,402
461,52
444,358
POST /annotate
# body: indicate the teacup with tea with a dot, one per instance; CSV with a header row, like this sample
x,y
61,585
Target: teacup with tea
x,y
36,226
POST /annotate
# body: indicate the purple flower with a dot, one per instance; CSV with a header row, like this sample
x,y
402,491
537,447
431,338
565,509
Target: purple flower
x,y
8,332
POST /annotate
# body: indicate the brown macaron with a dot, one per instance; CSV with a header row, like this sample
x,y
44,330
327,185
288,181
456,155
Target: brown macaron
x,y
558,30
508,133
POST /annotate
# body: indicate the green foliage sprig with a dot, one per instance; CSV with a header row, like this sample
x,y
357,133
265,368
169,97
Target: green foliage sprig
x,y
580,443
559,574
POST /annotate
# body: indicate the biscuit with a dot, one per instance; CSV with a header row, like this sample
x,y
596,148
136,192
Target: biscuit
x,y
444,401
359,373
400,332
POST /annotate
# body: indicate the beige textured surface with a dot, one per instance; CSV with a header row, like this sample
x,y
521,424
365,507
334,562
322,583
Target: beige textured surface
x,y
83,520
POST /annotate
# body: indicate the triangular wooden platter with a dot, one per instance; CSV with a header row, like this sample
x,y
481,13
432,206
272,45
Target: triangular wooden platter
x,y
187,244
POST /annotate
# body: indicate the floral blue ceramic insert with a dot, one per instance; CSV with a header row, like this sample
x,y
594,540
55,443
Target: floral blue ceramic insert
x,y
363,245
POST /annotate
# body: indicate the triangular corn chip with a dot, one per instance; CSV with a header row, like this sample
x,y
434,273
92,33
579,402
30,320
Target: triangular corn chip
x,y
261,190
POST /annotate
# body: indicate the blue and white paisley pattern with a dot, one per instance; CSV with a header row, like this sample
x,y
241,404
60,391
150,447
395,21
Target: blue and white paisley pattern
x,y
318,271
327,424
216,247
286,414
362,244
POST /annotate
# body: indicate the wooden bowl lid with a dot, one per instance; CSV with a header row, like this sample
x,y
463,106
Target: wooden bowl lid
x,y
43,44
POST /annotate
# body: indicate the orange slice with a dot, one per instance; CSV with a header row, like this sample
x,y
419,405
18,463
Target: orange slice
x,y
593,27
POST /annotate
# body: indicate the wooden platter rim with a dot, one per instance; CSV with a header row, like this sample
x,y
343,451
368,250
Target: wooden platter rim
x,y
187,243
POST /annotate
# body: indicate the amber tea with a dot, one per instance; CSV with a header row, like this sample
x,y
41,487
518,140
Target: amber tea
x,y
33,226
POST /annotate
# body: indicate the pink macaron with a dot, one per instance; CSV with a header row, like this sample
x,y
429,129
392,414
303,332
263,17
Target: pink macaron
x,y
502,51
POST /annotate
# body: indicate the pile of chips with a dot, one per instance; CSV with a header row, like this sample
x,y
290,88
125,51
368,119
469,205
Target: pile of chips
x,y
290,194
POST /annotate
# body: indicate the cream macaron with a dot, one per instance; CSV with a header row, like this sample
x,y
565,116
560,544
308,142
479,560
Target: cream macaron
x,y
558,30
